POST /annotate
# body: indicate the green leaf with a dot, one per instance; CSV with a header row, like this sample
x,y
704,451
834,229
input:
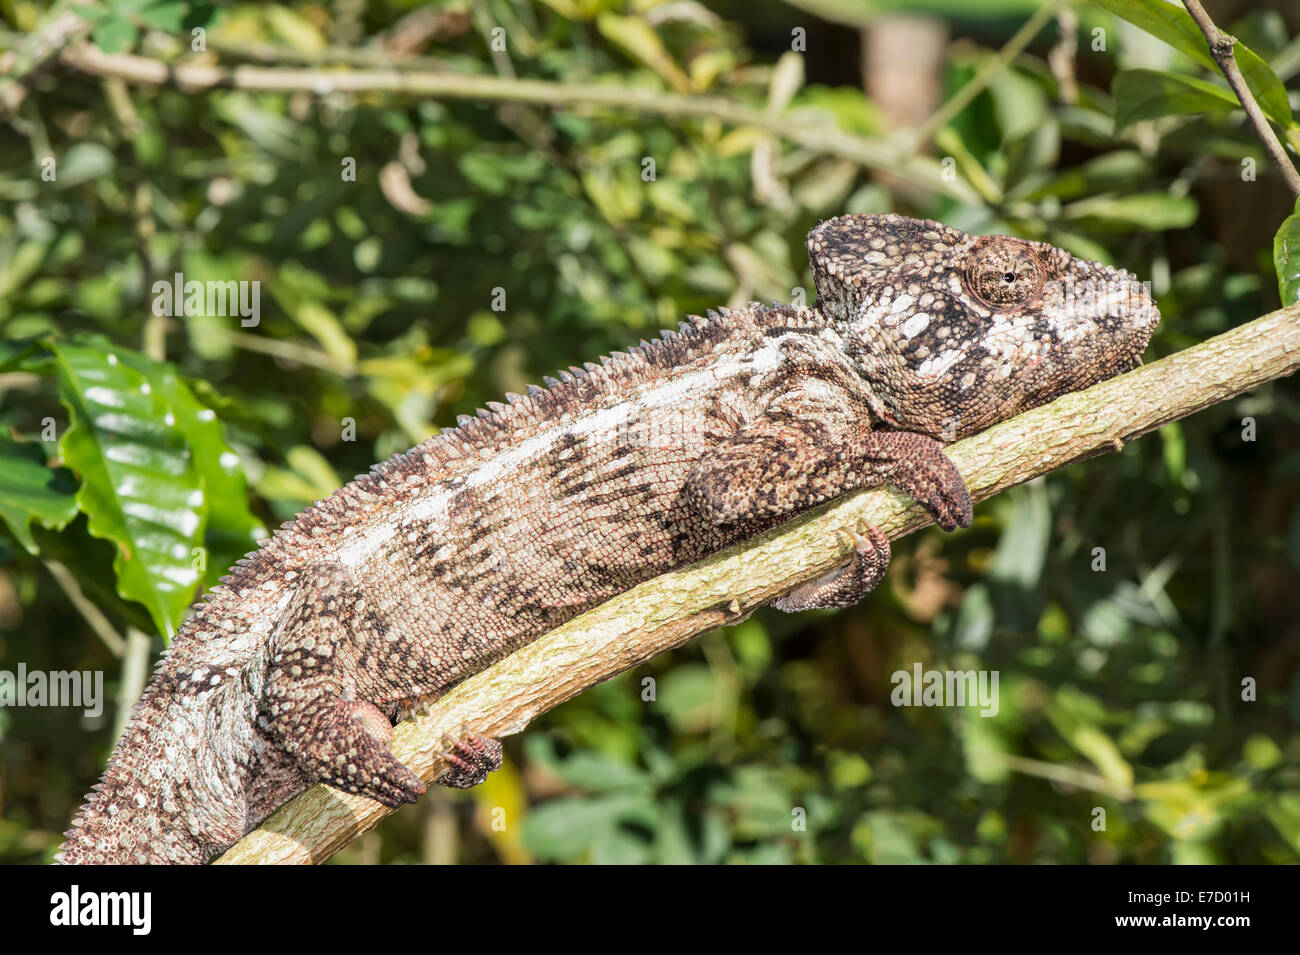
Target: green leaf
x,y
19,268
639,40
16,353
566,827
1286,257
168,15
1144,211
232,528
691,698
31,491
853,112
1284,813
140,487
1075,716
600,773
83,162
1108,171
1176,27
298,32
1022,552
114,34
324,326
1146,94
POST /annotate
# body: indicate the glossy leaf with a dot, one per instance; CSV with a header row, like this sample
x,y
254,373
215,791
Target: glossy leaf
x,y
232,528
1147,94
1147,212
140,485
1176,27
32,491
1286,257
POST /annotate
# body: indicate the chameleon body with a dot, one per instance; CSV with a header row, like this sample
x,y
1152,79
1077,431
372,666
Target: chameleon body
x,y
444,559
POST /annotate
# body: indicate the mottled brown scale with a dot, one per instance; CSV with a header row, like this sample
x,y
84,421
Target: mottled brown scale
x,y
444,559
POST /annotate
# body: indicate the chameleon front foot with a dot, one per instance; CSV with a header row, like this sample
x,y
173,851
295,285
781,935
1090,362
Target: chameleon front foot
x,y
470,758
844,586
916,464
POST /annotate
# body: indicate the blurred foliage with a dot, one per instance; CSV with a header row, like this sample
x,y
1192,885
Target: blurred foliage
x,y
481,245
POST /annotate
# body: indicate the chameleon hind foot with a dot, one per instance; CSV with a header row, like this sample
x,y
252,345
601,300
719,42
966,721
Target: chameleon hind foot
x,y
844,586
470,758
345,745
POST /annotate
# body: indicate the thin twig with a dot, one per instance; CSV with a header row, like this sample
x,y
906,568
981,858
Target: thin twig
x,y
90,613
135,673
669,610
1060,58
983,76
286,350
118,96
1221,45
1065,775
823,137
34,52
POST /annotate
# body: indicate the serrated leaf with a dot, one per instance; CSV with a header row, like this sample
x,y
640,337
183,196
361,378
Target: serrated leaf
x,y
32,491
1286,257
1146,94
1175,26
140,487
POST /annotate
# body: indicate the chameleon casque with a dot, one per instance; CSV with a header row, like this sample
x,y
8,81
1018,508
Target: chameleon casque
x,y
444,559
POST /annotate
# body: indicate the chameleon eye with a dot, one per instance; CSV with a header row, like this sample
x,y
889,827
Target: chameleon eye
x,y
1004,272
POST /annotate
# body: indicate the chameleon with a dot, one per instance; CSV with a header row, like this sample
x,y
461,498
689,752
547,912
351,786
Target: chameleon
x,y
443,559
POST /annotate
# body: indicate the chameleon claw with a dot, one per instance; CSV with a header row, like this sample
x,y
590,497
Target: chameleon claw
x,y
469,758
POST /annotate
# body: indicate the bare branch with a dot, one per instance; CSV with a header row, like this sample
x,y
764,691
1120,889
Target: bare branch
x,y
94,617
34,52
667,611
809,132
1221,45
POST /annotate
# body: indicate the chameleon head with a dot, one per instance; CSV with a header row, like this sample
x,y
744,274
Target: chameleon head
x,y
956,332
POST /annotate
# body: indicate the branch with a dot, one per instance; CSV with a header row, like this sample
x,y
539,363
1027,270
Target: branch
x,y
822,137
1221,45
89,611
33,52
667,611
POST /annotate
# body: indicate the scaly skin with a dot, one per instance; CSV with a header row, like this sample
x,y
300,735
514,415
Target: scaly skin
x,y
444,559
